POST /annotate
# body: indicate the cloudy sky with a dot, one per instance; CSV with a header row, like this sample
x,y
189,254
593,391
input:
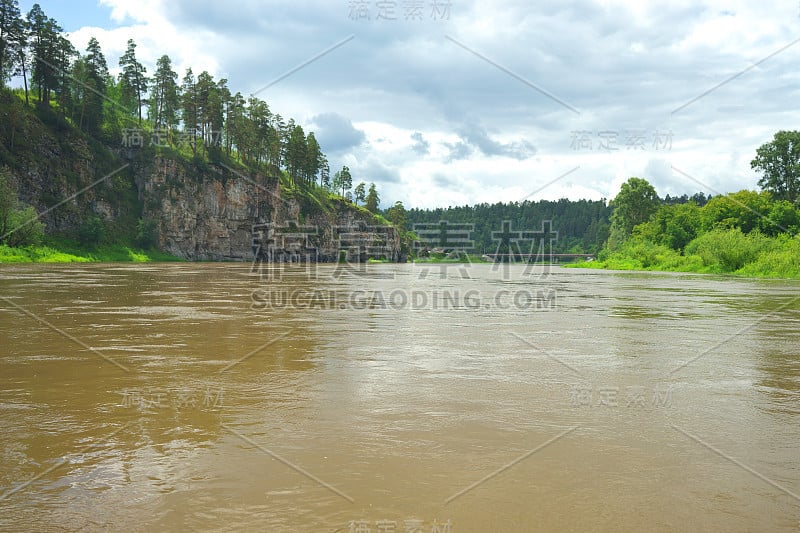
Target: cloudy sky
x,y
453,102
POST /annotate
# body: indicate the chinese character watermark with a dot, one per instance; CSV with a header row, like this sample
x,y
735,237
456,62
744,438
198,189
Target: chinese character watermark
x,y
615,140
629,397
185,399
165,137
409,525
393,10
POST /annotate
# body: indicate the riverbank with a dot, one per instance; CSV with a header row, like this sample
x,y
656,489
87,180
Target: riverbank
x,y
716,252
64,253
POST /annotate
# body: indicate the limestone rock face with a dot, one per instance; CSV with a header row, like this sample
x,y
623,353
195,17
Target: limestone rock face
x,y
220,215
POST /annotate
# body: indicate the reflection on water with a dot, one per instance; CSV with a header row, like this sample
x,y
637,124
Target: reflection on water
x,y
560,401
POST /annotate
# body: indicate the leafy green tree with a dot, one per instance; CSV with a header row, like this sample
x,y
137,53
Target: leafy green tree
x,y
746,210
26,226
636,202
672,225
347,179
372,200
783,217
779,163
343,181
19,224
133,80
397,215
700,199
360,193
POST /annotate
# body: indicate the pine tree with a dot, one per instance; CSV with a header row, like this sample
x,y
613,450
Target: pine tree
x,y
313,159
295,152
96,75
164,103
189,106
360,193
12,38
324,172
44,36
205,105
133,80
343,180
373,200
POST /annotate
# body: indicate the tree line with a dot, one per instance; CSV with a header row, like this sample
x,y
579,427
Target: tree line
x,y
582,225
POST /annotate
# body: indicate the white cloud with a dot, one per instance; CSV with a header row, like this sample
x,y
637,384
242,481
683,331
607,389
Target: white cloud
x,y
434,124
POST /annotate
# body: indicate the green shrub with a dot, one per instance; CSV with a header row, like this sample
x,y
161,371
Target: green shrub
x,y
146,233
781,262
19,223
25,227
729,250
91,231
645,251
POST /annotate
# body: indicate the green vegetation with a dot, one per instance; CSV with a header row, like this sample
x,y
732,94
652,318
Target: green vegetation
x,y
60,251
745,233
779,163
397,216
717,252
635,204
582,225
200,118
19,225
72,122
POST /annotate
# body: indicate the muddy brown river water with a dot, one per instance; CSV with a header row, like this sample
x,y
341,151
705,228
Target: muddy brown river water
x,y
166,397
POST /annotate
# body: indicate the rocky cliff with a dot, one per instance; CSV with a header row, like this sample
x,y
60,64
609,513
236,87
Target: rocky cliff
x,y
220,214
199,210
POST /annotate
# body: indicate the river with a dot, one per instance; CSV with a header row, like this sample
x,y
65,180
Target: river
x,y
396,398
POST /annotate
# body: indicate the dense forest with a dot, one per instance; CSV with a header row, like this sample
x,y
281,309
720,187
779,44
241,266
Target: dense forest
x,y
577,226
582,225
